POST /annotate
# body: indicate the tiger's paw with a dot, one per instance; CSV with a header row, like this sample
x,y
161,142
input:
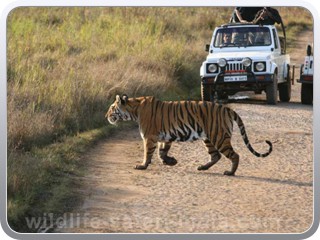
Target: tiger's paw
x,y
171,161
141,167
202,168
228,173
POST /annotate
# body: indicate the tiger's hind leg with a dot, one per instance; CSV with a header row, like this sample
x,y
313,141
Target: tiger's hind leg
x,y
214,156
164,148
233,156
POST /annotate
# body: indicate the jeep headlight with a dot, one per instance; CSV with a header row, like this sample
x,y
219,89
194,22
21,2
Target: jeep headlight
x,y
212,68
246,62
222,62
260,66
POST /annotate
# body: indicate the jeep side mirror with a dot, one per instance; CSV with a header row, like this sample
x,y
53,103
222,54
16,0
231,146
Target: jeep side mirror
x,y
309,50
207,47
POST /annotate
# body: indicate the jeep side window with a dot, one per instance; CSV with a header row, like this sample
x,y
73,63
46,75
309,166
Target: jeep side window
x,y
275,38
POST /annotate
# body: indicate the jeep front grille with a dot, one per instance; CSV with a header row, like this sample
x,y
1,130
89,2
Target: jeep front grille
x,y
233,67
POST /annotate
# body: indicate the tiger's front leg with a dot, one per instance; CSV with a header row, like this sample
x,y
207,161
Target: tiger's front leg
x,y
164,148
150,145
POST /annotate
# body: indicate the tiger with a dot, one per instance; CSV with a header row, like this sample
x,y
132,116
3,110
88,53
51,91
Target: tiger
x,y
162,122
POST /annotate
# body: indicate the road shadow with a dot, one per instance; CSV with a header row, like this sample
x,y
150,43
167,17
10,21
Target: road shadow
x,y
249,100
278,181
290,182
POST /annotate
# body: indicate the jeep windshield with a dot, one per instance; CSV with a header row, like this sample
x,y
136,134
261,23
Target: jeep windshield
x,y
242,37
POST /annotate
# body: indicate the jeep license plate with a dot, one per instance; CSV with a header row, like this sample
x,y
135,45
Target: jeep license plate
x,y
235,78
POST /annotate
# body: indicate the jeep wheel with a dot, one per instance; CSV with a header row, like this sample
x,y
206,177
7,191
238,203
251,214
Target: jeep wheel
x,y
206,92
272,91
306,93
222,95
285,89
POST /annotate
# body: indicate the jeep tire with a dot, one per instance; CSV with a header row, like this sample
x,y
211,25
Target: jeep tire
x,y
222,95
285,89
306,93
206,92
272,91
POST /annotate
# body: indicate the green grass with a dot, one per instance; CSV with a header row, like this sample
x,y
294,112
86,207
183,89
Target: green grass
x,y
65,66
45,180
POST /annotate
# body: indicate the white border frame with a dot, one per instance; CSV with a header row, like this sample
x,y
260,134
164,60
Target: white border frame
x,y
10,5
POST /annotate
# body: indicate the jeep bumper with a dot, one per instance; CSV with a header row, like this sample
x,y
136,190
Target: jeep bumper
x,y
306,79
238,82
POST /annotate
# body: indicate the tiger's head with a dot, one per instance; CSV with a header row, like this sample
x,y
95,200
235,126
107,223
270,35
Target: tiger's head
x,y
118,110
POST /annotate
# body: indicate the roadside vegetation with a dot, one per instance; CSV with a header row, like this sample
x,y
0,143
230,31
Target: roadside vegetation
x,y
65,66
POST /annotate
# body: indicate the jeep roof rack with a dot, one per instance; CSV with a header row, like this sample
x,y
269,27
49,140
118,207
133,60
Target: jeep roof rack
x,y
242,24
235,24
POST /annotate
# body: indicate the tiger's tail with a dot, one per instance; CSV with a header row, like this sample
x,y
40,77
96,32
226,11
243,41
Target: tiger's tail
x,y
238,120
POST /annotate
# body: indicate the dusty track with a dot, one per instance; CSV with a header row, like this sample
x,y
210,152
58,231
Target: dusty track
x,y
274,194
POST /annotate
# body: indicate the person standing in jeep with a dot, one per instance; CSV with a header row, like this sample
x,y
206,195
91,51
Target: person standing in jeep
x,y
256,15
245,14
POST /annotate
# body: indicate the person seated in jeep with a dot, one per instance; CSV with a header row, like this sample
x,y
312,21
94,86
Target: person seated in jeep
x,y
241,38
226,38
245,36
262,38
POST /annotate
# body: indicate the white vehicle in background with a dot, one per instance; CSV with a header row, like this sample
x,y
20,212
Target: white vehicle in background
x,y
306,78
255,60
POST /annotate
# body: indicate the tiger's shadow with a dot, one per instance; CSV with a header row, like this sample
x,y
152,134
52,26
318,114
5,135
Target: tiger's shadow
x,y
290,182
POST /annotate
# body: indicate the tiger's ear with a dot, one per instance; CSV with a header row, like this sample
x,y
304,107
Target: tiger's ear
x,y
118,99
124,99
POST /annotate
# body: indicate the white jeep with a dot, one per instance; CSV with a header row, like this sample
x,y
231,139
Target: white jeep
x,y
254,60
306,78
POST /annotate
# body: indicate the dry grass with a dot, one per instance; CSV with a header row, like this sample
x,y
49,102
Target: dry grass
x,y
68,63
25,130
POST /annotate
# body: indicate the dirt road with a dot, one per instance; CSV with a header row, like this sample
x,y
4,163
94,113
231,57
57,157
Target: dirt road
x,y
273,194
